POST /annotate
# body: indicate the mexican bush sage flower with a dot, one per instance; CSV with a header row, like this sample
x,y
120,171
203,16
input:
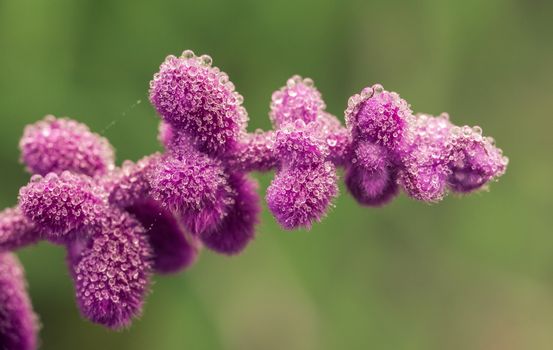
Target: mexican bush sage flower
x,y
121,224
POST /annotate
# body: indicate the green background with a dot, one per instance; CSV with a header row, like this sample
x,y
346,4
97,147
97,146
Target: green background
x,y
468,273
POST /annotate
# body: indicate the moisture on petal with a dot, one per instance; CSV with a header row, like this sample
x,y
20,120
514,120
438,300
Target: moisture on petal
x,y
111,270
297,100
194,185
198,100
380,117
59,144
299,196
60,204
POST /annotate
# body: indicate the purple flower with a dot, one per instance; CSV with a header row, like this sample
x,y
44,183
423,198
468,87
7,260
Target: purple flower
x,y
55,145
130,183
18,323
299,196
305,183
62,204
379,117
200,101
109,253
298,100
111,269
194,185
442,156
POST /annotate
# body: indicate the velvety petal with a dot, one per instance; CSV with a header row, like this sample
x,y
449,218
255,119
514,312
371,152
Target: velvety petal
x,y
337,138
238,227
372,188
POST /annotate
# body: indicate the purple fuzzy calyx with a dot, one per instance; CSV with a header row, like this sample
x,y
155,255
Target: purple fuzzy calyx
x,y
199,101
298,100
59,144
61,204
380,117
111,270
442,155
298,196
299,144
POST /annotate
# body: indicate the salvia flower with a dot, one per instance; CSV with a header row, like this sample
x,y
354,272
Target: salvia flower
x,y
121,224
54,145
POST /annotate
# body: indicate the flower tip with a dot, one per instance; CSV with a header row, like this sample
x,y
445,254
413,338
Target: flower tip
x,y
59,144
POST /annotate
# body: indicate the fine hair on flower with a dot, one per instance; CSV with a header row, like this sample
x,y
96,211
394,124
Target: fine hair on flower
x,y
121,224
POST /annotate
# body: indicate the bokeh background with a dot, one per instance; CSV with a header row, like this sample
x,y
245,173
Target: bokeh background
x,y
468,273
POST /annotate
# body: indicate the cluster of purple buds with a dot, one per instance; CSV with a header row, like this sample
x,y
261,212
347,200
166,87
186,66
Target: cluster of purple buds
x,y
121,224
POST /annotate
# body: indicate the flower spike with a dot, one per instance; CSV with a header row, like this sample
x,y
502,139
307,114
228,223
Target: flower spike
x,y
120,225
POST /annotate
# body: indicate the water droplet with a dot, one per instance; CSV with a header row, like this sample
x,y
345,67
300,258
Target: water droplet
x,y
186,54
206,60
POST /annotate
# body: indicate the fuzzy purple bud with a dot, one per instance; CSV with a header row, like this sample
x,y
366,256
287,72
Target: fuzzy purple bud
x,y
425,161
237,228
18,323
299,144
173,248
298,100
198,100
16,230
111,270
62,203
371,178
380,117
55,145
443,155
299,196
194,185
474,160
374,188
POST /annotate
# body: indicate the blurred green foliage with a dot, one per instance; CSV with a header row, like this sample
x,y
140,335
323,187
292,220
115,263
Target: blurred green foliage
x,y
469,273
